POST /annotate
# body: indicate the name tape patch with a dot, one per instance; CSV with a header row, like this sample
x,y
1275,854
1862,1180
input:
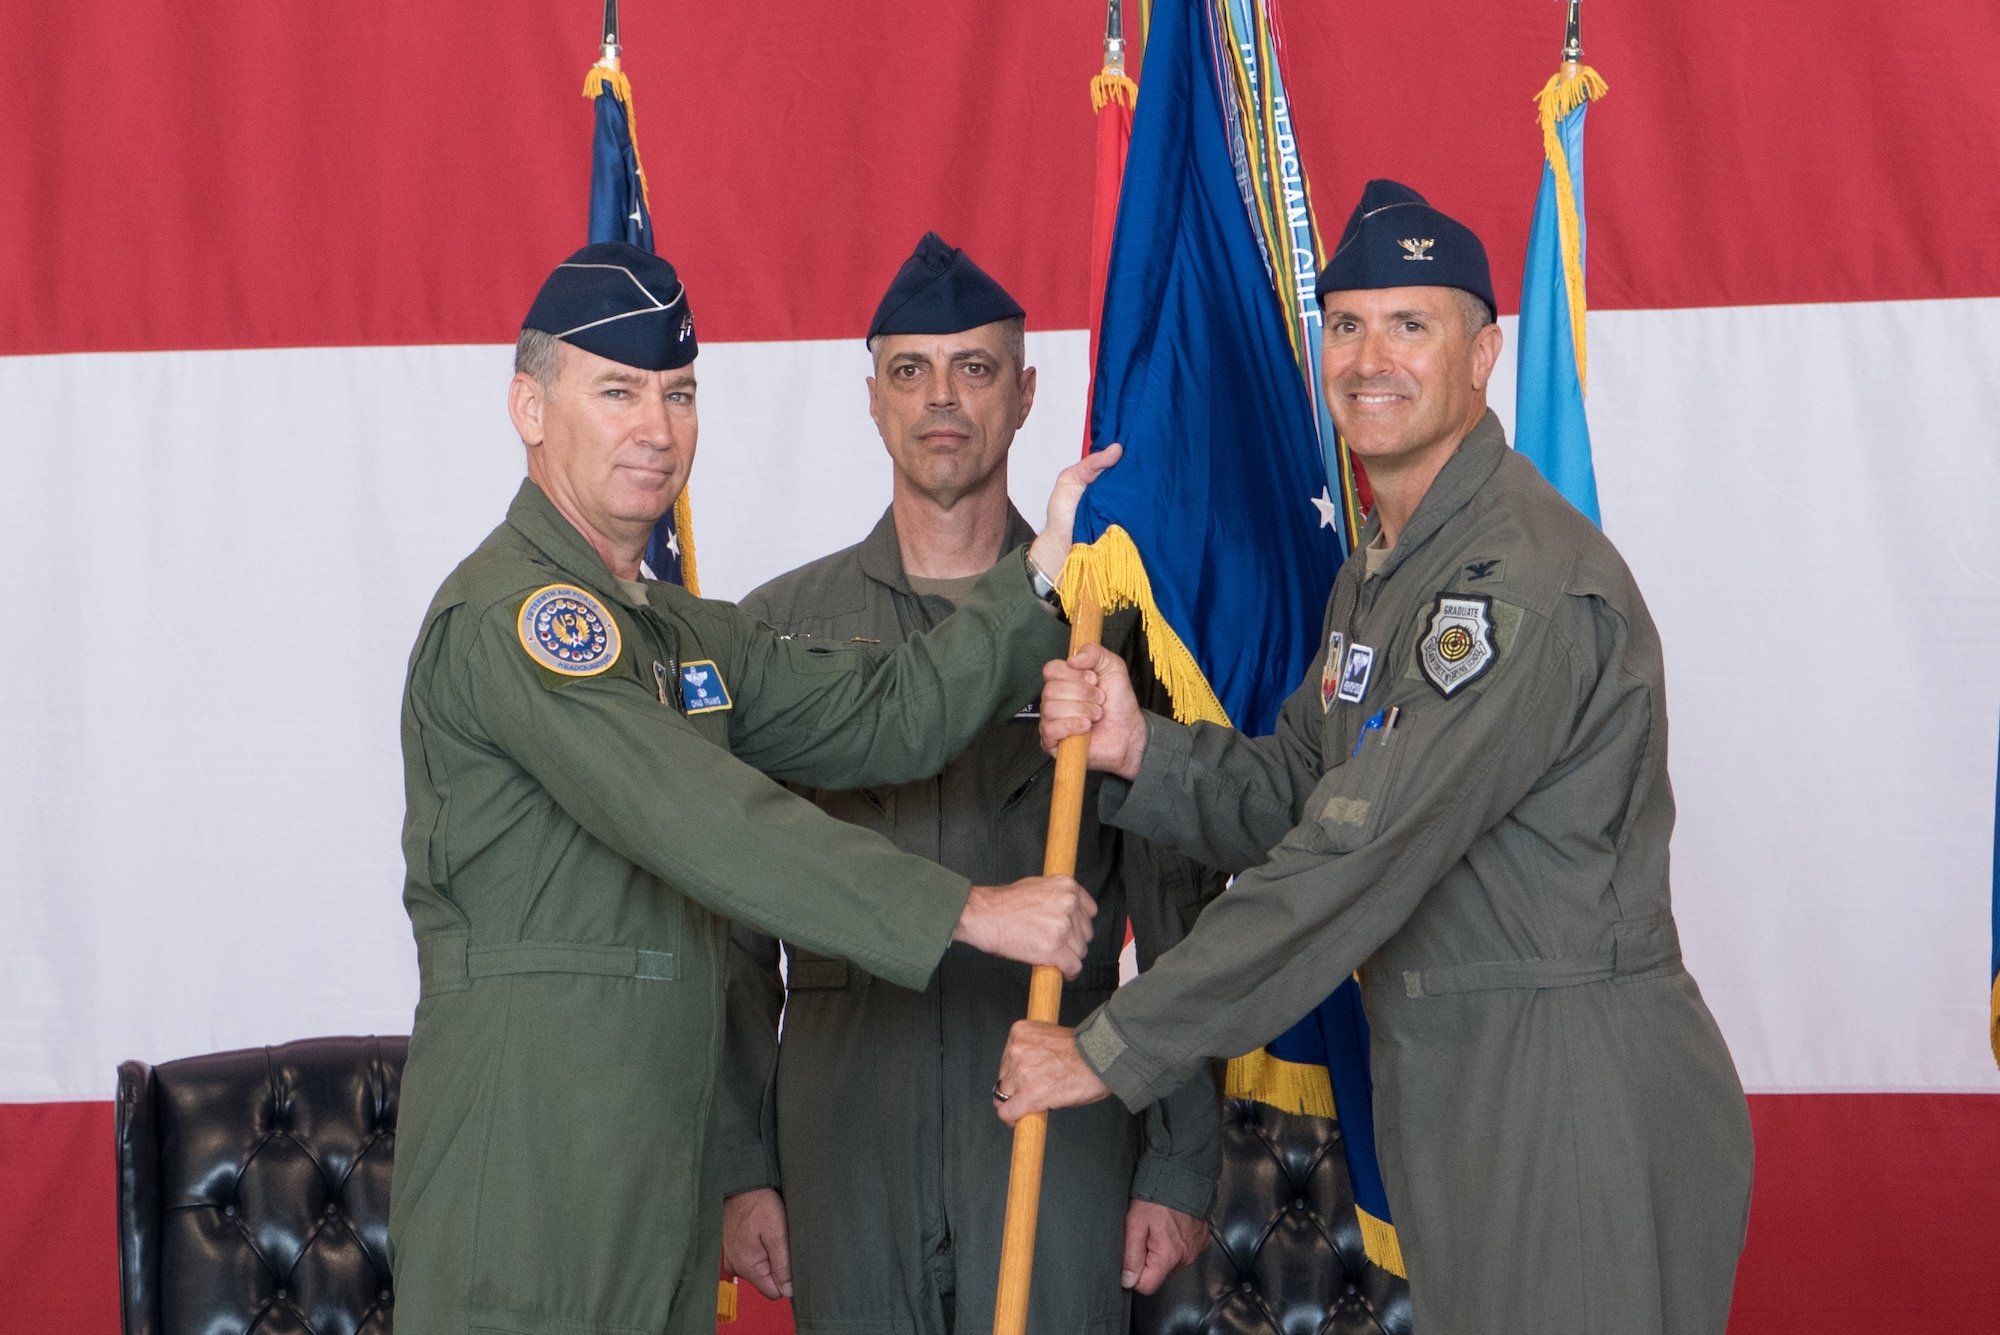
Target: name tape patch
x,y
702,691
1354,677
566,630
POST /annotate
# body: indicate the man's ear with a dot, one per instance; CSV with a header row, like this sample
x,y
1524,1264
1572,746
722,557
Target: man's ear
x,y
874,406
1027,396
525,400
1485,354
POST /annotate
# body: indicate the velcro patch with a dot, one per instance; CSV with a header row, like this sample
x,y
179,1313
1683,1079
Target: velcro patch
x,y
568,632
702,690
1346,810
1459,647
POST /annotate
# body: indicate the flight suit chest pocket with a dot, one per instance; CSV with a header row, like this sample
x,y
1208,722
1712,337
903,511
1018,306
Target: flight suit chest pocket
x,y
1352,801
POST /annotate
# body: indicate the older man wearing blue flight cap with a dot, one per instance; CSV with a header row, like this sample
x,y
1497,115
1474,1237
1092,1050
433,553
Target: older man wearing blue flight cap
x,y
582,747
1467,801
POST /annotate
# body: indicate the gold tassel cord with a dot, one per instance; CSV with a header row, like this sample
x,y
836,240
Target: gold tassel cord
x,y
1307,1090
1112,567
601,79
1565,91
1111,85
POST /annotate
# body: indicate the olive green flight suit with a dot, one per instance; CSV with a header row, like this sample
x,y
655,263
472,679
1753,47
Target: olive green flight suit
x,y
874,1118
1562,1134
576,846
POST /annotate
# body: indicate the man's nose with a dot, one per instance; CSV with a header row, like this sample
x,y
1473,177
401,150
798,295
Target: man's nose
x,y
655,425
943,389
1372,357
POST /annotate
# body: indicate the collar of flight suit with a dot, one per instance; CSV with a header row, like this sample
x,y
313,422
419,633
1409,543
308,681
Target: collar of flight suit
x,y
536,518
881,552
1477,458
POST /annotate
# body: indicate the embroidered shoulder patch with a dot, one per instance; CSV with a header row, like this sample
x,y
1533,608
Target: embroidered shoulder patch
x,y
566,630
1329,676
1459,647
702,690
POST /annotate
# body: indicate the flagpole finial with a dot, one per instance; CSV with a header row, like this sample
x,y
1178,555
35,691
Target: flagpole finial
x,y
1114,36
609,58
1572,35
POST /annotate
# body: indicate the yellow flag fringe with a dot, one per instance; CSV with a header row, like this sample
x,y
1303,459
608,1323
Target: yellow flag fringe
x,y
1996,1019
1298,1088
600,78
684,530
1112,567
1110,86
1566,90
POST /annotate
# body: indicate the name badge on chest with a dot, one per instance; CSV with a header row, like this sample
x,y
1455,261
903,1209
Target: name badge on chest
x,y
1354,676
702,690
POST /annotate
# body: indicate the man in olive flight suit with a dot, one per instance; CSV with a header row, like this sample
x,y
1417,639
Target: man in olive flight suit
x,y
1479,824
584,819
861,1158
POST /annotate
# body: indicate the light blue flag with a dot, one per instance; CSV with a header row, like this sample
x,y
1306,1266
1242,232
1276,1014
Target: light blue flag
x,y
1549,422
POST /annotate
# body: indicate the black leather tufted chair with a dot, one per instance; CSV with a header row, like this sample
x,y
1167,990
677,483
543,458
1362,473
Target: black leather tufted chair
x,y
253,1189
1284,1254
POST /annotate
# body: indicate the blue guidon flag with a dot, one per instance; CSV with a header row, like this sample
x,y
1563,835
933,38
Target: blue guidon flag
x,y
1235,503
619,211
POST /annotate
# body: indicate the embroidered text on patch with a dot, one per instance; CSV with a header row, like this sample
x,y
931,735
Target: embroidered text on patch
x,y
1459,646
566,630
702,690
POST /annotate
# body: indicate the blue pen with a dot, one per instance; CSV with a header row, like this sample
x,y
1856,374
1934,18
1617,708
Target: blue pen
x,y
1362,737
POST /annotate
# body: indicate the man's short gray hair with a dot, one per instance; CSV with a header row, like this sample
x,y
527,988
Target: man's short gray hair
x,y
1013,337
1473,310
535,356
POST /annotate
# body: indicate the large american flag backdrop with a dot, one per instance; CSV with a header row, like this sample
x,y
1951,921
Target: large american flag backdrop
x,y
260,266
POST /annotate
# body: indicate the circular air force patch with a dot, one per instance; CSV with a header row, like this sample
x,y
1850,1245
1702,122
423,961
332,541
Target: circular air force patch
x,y
566,630
1459,647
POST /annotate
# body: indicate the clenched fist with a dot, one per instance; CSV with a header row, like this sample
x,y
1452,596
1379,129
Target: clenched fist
x,y
1036,920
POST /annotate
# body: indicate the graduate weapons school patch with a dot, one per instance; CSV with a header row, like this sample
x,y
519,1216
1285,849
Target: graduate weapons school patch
x,y
1329,676
702,691
567,631
1459,647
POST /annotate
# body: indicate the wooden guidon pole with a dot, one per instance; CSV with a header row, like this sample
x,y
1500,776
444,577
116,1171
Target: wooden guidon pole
x,y
1031,1133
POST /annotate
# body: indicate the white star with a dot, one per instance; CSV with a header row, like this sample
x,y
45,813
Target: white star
x,y
1329,513
635,215
674,543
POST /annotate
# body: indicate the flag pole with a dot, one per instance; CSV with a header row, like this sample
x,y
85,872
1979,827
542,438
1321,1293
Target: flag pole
x,y
1024,1180
609,60
1572,38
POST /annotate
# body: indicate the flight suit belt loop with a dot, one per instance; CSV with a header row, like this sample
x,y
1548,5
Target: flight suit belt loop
x,y
448,963
1638,947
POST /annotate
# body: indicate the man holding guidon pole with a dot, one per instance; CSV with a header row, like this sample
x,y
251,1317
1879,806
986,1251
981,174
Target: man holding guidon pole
x,y
1466,800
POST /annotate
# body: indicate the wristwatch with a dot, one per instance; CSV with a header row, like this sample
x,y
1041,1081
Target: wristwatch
x,y
1044,587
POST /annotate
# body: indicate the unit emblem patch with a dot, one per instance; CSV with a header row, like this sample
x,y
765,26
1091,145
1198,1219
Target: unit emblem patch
x,y
1459,647
1329,676
566,630
1354,677
702,690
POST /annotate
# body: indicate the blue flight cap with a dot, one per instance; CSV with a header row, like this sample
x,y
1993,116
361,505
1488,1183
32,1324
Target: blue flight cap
x,y
1395,239
618,301
939,290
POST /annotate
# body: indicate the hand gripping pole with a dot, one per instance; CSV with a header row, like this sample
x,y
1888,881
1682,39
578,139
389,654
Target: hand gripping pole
x,y
1031,1133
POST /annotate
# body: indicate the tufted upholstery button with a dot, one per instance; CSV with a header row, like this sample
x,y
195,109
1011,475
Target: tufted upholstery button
x,y
1285,1250
270,1130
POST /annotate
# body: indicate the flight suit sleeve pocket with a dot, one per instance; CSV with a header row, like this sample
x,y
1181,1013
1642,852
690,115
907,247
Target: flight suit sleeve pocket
x,y
1348,807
